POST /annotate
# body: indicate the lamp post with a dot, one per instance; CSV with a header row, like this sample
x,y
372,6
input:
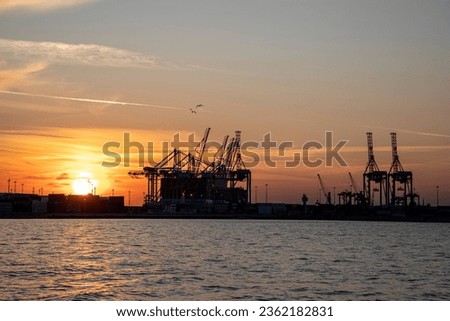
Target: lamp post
x,y
334,195
437,195
267,193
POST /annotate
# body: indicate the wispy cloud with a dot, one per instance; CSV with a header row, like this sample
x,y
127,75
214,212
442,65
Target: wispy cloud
x,y
10,77
79,54
40,4
407,131
63,177
30,133
90,100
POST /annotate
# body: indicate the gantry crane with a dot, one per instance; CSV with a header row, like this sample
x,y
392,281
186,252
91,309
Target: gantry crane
x,y
180,175
398,175
372,174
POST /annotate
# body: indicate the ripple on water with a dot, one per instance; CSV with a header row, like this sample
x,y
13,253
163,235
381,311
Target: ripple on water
x,y
222,260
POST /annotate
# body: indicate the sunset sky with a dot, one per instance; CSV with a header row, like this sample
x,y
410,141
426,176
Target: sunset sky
x,y
295,68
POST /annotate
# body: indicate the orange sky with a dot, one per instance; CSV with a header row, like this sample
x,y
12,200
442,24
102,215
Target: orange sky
x,y
295,69
52,159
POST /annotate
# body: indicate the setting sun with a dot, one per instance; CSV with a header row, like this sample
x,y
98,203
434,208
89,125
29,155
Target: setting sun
x,y
85,184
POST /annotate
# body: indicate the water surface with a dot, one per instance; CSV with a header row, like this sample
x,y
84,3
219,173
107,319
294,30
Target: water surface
x,y
223,260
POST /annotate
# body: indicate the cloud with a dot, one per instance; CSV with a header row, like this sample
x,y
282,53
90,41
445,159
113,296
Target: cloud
x,y
63,177
38,177
10,77
407,131
90,100
422,133
78,54
40,4
23,132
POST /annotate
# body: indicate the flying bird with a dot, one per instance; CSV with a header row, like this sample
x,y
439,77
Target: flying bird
x,y
194,110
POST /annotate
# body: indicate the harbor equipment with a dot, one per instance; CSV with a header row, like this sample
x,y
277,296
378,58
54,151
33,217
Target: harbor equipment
x,y
372,176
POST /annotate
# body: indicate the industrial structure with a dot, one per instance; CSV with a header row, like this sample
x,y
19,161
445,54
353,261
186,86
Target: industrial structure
x,y
13,203
324,190
400,183
374,180
190,181
200,184
380,188
352,196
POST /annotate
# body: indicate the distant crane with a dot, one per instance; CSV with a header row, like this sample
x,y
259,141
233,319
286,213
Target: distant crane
x,y
398,175
356,192
200,150
184,175
233,161
218,156
373,174
354,184
324,191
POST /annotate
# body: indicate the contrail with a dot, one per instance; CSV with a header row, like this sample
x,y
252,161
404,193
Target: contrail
x,y
88,100
407,131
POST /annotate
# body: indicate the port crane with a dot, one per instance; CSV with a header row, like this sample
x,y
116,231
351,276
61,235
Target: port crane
x,y
218,156
399,180
356,193
200,151
324,191
184,175
372,175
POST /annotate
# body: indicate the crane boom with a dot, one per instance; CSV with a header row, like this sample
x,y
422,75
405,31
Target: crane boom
x,y
200,150
230,154
221,152
354,185
324,190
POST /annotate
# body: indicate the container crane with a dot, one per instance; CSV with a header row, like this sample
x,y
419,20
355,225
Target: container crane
x,y
218,157
200,150
372,174
183,176
398,175
356,192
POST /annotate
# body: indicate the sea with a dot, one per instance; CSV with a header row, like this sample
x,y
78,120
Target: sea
x,y
153,260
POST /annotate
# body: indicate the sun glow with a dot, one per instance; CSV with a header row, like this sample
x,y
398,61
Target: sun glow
x,y
84,184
